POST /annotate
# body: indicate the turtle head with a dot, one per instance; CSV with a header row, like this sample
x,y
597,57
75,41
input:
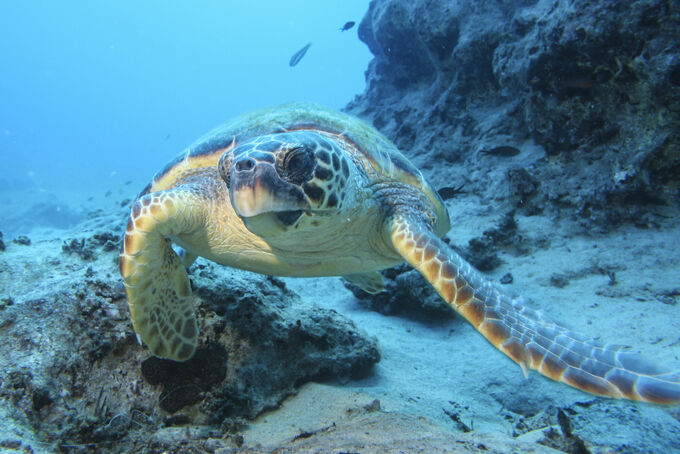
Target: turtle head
x,y
284,182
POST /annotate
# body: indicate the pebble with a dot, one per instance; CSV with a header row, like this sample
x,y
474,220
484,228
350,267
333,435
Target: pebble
x,y
113,313
22,239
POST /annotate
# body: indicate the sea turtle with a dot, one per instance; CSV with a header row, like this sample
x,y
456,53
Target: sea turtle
x,y
300,190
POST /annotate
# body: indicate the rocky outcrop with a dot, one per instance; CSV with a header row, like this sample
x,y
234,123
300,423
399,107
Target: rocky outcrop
x,y
74,374
567,108
406,291
560,109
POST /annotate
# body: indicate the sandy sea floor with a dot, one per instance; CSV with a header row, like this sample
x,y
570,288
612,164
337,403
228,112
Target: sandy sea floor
x,y
440,387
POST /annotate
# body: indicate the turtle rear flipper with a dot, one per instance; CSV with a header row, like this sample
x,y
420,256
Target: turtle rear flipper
x,y
525,335
187,258
156,282
370,282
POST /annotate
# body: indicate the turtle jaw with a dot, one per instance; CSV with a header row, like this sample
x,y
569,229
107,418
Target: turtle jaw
x,y
250,201
271,224
289,218
267,204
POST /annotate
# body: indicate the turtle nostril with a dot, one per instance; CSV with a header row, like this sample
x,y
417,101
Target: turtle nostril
x,y
244,164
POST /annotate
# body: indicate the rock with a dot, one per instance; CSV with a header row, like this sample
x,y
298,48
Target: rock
x,y
406,292
178,435
23,240
184,383
596,425
275,340
507,279
586,98
78,247
76,375
586,92
108,240
559,280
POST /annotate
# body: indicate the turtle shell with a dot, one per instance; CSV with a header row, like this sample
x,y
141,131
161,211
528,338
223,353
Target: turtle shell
x,y
378,157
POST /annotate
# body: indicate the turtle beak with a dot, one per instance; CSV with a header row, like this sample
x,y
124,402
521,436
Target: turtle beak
x,y
261,198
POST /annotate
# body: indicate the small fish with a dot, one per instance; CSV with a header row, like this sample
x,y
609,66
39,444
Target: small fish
x,y
297,56
504,151
347,26
450,192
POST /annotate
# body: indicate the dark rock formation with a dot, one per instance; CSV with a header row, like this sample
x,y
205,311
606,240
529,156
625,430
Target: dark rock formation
x,y
275,341
406,291
568,109
73,372
589,93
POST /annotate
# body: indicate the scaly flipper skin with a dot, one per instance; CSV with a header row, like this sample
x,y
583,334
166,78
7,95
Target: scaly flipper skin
x,y
157,286
524,334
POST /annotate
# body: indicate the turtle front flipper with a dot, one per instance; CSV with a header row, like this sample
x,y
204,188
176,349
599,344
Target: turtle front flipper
x,y
156,282
525,335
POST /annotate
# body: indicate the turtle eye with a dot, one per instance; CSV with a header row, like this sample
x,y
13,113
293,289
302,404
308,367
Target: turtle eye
x,y
224,167
298,165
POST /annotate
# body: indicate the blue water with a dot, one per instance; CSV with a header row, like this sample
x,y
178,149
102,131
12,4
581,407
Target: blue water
x,y
94,94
